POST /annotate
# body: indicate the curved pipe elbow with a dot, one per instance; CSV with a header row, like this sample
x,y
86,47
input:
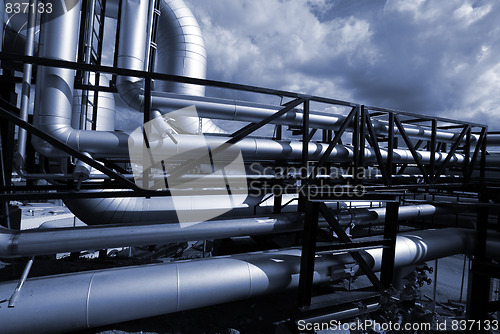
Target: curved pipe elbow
x,y
131,92
62,133
131,52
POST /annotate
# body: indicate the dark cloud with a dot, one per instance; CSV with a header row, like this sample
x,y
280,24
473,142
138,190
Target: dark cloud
x,y
433,57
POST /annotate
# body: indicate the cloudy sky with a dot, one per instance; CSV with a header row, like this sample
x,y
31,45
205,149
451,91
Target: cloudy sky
x,y
431,57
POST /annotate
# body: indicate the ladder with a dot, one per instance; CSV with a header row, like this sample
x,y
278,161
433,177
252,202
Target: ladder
x,y
90,52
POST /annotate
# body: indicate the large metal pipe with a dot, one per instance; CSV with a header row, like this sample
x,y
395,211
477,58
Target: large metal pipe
x,y
181,51
89,299
55,88
268,149
54,92
105,108
59,240
51,241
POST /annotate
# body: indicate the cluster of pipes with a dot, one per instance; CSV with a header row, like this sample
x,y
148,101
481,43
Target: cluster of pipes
x,y
82,300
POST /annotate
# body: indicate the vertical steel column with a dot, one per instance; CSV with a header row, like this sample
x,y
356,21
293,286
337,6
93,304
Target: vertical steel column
x,y
308,253
465,168
355,145
376,148
304,184
390,148
278,197
97,80
117,40
390,233
362,144
432,168
479,292
8,93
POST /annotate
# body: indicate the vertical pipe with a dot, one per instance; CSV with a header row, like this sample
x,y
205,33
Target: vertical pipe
x,y
26,87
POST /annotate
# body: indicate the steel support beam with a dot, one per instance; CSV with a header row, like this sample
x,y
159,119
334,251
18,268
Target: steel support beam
x,y
390,233
308,254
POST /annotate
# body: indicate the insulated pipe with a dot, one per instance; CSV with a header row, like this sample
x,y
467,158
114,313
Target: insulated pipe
x,y
254,112
55,85
181,48
54,93
58,240
255,149
83,300
135,210
133,45
161,210
181,51
106,111
14,32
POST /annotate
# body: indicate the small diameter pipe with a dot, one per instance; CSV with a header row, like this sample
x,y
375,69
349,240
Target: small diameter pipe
x,y
24,276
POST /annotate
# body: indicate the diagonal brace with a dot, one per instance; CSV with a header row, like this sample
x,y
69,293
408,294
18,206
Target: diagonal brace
x,y
451,152
376,147
411,148
356,255
347,121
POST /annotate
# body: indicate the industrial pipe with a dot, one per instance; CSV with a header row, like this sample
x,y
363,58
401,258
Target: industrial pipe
x,y
84,300
55,87
54,93
181,51
255,149
59,240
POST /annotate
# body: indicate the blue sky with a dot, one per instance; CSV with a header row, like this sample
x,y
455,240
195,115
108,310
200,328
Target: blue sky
x,y
431,57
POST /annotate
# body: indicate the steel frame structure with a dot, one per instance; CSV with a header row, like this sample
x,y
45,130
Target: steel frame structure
x,y
359,119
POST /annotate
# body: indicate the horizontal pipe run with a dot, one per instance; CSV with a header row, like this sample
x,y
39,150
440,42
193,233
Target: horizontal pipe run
x,y
255,149
83,300
253,112
59,240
